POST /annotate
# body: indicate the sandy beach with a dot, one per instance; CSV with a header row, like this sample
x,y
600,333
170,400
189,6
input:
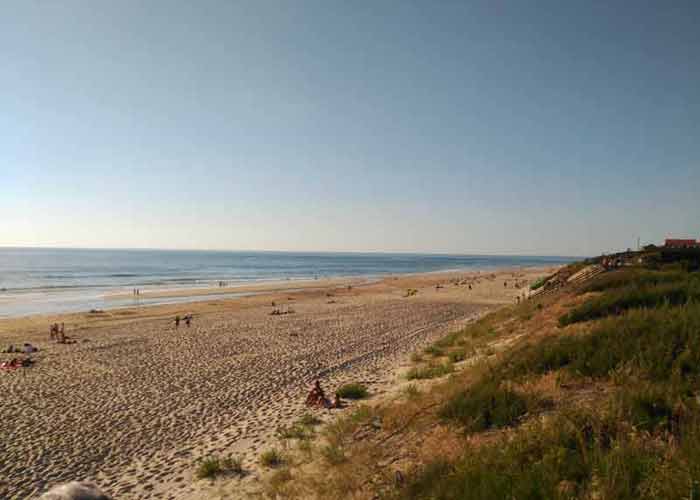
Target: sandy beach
x,y
134,401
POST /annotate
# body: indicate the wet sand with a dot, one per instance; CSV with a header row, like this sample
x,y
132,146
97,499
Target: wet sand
x,y
135,401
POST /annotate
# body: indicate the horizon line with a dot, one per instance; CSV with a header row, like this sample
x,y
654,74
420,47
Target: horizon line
x,y
386,252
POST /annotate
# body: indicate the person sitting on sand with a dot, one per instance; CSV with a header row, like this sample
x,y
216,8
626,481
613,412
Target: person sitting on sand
x,y
316,396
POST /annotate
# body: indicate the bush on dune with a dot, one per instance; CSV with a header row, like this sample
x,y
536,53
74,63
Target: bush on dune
x,y
430,371
352,391
574,456
627,277
485,405
633,297
213,466
658,344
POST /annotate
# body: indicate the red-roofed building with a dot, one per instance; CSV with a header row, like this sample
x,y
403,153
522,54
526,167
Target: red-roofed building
x,y
676,243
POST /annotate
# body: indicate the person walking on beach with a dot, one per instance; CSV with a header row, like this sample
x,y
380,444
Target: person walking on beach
x,y
177,321
188,319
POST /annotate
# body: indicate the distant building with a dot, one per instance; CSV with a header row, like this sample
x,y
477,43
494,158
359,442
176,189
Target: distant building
x,y
676,243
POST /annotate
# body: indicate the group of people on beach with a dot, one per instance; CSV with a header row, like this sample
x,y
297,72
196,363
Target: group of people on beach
x,y
58,333
317,398
187,319
27,349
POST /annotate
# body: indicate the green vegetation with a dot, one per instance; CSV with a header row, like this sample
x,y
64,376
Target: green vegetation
x,y
294,431
578,455
539,283
485,405
435,350
659,344
599,410
433,370
352,391
309,420
211,467
271,458
411,391
617,301
457,355
333,454
632,276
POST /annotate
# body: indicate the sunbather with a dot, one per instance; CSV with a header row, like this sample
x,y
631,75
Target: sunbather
x,y
317,397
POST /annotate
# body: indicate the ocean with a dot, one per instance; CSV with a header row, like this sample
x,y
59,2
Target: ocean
x,y
42,281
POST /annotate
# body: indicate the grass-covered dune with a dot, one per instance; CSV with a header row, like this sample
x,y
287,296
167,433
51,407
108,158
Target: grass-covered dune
x,y
592,392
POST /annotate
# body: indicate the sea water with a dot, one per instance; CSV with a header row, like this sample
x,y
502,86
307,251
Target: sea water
x,y
38,281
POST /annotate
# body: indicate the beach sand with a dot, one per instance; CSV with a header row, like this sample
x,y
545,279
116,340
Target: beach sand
x,y
134,402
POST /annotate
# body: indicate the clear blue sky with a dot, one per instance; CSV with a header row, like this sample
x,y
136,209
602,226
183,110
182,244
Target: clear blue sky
x,y
466,127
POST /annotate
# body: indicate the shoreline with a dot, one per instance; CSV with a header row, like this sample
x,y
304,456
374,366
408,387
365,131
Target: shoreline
x,y
181,295
135,402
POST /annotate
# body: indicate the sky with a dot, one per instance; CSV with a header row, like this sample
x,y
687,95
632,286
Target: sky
x,y
549,128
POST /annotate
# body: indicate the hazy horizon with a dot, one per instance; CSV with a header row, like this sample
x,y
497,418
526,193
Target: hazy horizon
x,y
255,250
452,128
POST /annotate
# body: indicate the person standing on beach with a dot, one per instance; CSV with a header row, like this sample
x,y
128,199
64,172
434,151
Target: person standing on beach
x,y
177,321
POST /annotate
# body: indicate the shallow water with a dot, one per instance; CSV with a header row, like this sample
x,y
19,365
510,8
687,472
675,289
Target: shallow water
x,y
38,281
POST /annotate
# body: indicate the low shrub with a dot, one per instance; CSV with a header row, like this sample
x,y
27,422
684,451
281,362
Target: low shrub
x,y
430,371
657,344
211,467
448,340
352,391
577,455
333,454
411,391
435,350
271,458
457,355
294,431
632,297
309,420
626,277
539,283
649,407
485,405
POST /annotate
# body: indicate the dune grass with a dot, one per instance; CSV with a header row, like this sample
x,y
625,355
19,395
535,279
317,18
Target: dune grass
x,y
485,405
271,458
631,276
539,283
579,455
432,370
617,301
211,467
658,343
352,391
